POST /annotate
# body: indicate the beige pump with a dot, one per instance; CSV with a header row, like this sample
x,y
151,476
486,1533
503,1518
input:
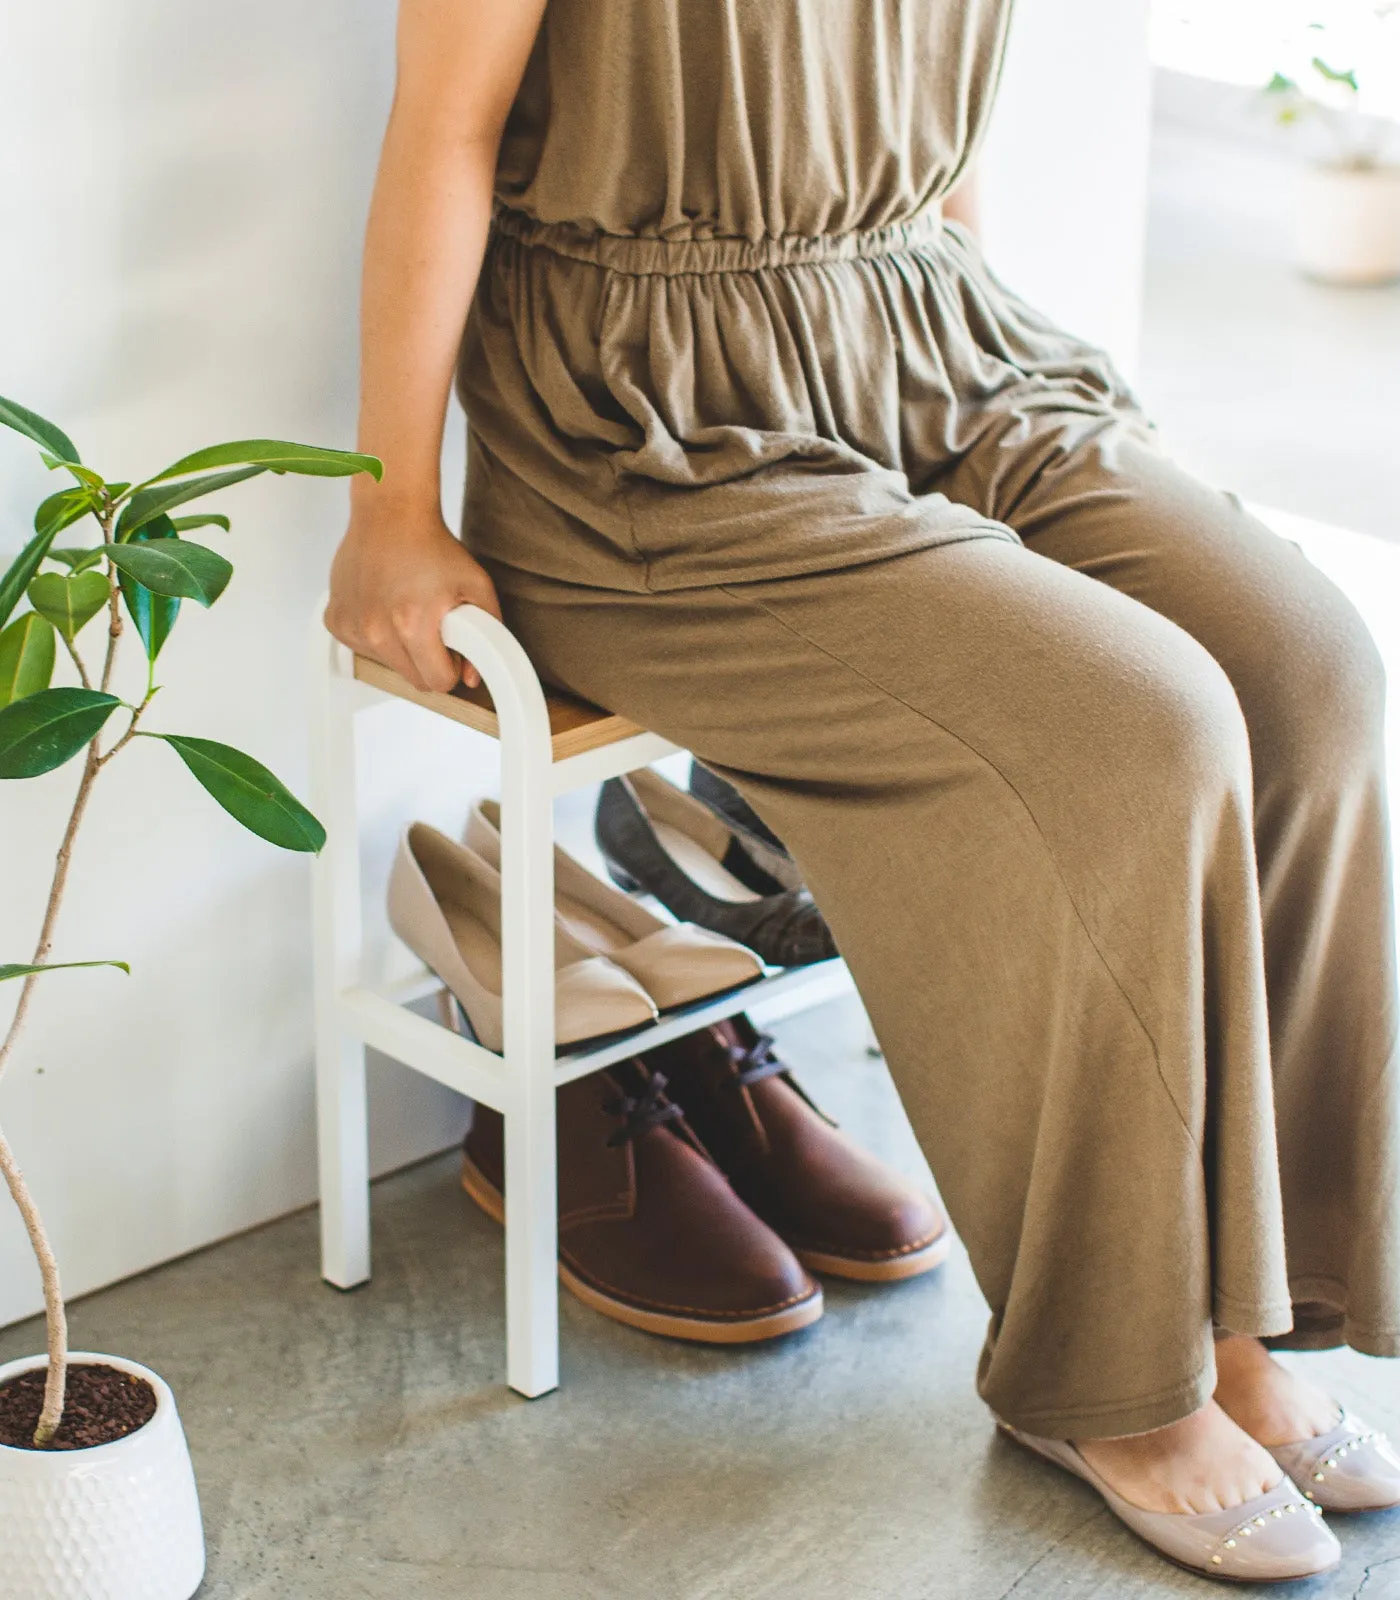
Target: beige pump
x,y
445,904
676,963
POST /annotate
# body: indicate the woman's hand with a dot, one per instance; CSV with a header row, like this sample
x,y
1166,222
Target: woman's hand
x,y
393,580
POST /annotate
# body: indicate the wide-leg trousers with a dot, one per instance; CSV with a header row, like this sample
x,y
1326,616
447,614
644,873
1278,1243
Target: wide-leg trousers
x,y
1098,821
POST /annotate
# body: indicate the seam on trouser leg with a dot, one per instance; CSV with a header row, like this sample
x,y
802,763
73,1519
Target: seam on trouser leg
x,y
1025,806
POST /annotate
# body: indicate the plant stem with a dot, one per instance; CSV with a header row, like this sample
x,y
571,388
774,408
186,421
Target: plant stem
x,y
114,626
55,1317
62,861
136,714
56,1379
77,661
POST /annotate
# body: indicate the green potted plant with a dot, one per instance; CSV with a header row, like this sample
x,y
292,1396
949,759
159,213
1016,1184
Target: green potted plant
x,y
1347,210
103,1500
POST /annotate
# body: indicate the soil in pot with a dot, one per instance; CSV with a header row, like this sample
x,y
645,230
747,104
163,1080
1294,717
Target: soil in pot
x,y
103,1404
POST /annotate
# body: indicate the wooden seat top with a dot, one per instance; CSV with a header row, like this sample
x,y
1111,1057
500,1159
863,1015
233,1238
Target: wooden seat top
x,y
574,725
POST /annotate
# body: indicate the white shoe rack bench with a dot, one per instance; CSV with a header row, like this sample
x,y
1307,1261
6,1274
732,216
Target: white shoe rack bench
x,y
549,745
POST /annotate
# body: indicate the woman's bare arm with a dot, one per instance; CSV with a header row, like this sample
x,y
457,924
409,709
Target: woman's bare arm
x,y
399,569
964,203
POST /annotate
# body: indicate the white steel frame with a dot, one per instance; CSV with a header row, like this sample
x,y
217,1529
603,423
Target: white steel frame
x,y
520,1083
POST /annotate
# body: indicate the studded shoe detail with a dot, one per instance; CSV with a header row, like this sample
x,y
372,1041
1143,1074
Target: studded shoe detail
x,y
1350,1468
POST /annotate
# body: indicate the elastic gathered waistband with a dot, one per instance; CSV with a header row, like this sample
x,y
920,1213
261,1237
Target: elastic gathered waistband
x,y
639,256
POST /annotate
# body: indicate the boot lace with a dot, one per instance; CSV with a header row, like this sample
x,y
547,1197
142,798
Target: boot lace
x,y
756,1061
642,1112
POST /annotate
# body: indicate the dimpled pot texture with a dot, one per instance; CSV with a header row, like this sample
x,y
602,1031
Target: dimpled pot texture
x,y
119,1521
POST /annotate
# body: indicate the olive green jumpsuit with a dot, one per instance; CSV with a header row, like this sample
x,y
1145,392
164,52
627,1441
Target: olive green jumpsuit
x,y
1083,764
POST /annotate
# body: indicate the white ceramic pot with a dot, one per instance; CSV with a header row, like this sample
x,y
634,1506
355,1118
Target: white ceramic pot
x,y
117,1522
1347,224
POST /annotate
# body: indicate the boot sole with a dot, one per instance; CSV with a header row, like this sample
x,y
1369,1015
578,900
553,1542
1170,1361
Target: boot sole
x,y
890,1269
697,1330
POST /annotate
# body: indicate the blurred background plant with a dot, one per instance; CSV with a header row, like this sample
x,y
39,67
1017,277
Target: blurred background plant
x,y
1339,74
1329,112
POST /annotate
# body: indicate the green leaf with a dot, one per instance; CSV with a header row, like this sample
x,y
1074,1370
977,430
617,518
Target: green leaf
x,y
83,474
21,970
154,615
22,569
69,603
44,730
1332,75
78,560
63,509
174,567
249,792
276,455
39,429
148,503
1279,84
206,519
27,651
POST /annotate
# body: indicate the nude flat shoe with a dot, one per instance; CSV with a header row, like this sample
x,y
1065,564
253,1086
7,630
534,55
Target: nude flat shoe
x,y
676,963
445,904
1350,1468
1275,1538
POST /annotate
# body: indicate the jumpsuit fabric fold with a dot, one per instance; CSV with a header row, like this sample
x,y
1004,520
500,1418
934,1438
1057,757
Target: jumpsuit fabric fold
x,y
1083,764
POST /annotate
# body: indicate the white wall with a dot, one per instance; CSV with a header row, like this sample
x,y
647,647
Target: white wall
x,y
183,192
1065,168
184,189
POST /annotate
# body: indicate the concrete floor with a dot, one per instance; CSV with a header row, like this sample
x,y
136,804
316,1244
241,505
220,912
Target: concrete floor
x,y
363,1447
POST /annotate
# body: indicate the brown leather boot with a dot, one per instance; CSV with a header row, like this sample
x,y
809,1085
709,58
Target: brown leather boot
x,y
841,1210
650,1231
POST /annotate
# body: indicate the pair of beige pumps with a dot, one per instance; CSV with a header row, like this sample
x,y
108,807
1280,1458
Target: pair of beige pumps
x,y
616,965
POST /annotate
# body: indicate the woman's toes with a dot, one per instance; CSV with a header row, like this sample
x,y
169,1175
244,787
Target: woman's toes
x,y
1255,1476
1238,1471
1203,1463
1272,1404
1317,1413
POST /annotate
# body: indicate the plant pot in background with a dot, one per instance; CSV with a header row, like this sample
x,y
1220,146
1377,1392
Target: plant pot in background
x,y
118,1521
1347,223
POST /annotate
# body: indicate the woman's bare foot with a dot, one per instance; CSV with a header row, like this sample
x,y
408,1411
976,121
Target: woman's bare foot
x,y
1265,1399
1205,1462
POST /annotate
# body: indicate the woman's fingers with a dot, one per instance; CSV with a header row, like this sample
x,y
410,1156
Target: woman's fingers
x,y
480,592
484,594
380,640
435,667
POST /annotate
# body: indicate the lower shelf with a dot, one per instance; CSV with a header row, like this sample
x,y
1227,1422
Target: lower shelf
x,y
436,1050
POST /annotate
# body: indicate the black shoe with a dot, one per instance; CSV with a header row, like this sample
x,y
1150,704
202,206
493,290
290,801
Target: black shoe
x,y
765,848
661,841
